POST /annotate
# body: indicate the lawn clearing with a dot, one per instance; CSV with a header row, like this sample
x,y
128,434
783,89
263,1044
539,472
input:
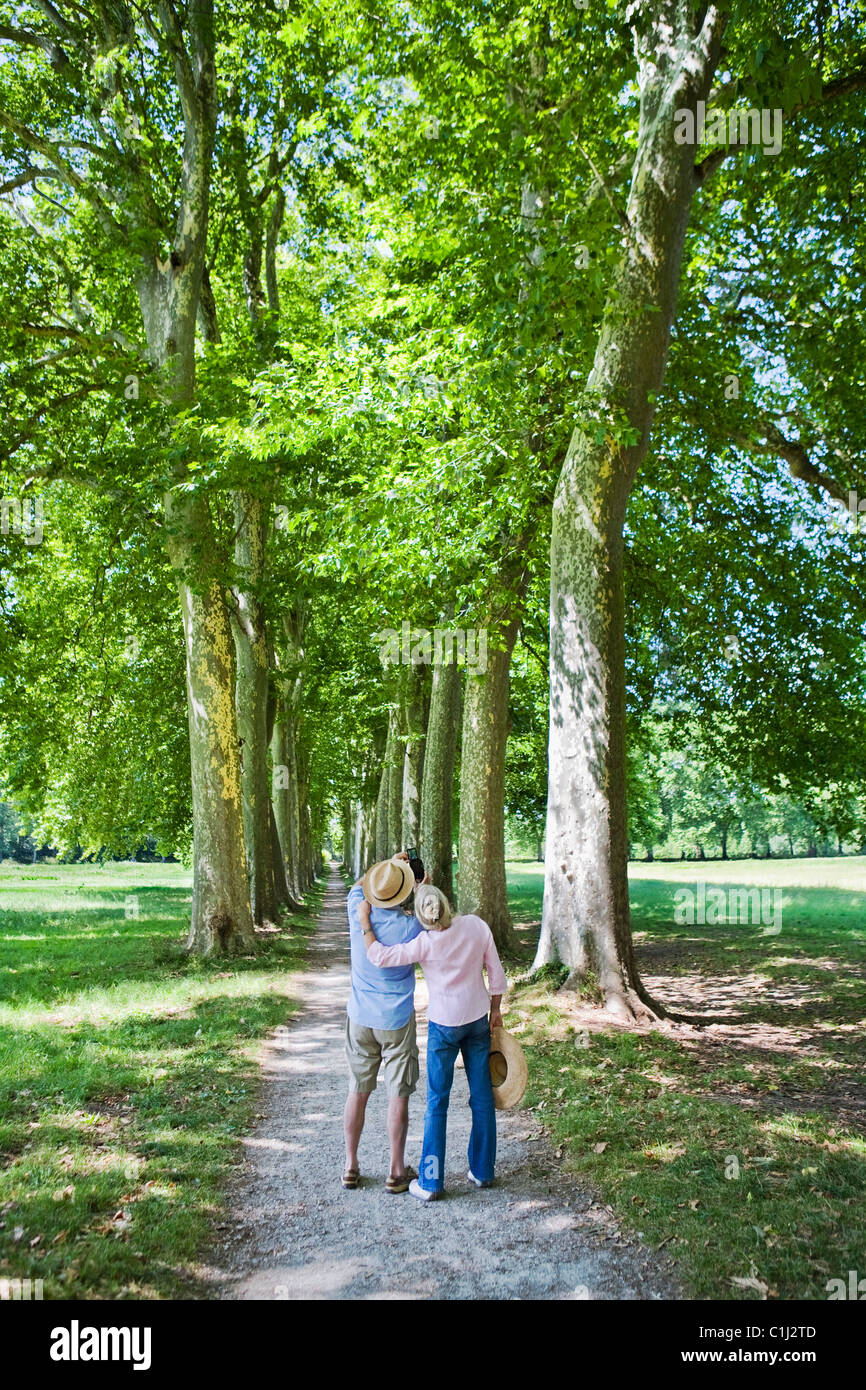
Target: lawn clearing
x,y
127,1075
734,1136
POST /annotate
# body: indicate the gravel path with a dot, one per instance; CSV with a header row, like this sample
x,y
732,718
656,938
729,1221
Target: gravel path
x,y
293,1233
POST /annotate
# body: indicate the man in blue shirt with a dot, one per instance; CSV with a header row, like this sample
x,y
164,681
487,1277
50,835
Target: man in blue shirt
x,y
380,1027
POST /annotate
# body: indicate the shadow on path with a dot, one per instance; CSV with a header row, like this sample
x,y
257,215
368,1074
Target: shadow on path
x,y
293,1233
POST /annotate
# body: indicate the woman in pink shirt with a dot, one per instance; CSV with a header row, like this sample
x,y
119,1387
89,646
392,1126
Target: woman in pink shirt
x,y
452,954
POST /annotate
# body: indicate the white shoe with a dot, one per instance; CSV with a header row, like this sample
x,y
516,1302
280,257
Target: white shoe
x,y
421,1192
477,1181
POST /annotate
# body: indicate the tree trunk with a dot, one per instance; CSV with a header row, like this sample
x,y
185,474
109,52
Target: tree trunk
x,y
251,701
297,877
390,799
305,838
169,295
284,795
221,918
381,828
348,830
285,750
368,854
585,921
282,895
414,723
395,792
357,841
279,799
437,786
481,884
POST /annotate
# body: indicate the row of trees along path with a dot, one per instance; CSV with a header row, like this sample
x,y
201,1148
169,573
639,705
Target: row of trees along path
x,y
292,1232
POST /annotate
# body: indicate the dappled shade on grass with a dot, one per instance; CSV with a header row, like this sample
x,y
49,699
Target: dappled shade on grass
x,y
735,1138
126,1076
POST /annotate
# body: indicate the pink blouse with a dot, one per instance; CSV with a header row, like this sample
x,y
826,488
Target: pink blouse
x,y
452,961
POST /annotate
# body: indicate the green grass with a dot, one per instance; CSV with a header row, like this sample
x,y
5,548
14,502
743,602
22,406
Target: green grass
x,y
127,1074
738,1145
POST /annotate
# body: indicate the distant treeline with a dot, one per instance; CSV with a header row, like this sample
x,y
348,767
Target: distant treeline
x,y
18,842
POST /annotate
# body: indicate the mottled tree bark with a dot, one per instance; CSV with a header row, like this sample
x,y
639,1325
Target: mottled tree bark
x,y
221,920
308,869
437,786
295,863
368,850
586,910
390,799
414,721
282,895
269,881
381,825
481,883
286,737
395,792
348,835
169,295
279,801
282,796
251,701
354,868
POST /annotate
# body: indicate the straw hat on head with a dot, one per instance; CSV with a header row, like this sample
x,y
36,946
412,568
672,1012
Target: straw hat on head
x,y
388,883
508,1070
431,908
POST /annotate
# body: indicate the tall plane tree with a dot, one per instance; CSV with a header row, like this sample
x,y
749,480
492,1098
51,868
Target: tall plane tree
x,y
115,111
677,47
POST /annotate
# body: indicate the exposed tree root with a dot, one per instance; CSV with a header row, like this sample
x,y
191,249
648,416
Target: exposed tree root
x,y
626,1005
634,1006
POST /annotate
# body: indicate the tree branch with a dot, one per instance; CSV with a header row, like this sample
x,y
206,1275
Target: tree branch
x,y
840,86
545,665
619,212
27,176
207,310
183,67
854,81
45,42
64,170
61,473
795,455
32,421
56,18
95,341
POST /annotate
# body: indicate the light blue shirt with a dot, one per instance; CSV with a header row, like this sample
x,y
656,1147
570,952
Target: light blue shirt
x,y
381,997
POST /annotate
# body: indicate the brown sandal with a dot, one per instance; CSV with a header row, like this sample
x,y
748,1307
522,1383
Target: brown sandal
x,y
400,1184
351,1178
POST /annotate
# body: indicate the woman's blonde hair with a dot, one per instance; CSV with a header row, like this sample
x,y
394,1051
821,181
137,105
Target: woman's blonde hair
x,y
431,908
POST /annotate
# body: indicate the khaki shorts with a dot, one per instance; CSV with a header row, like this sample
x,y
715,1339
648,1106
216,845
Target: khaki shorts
x,y
394,1048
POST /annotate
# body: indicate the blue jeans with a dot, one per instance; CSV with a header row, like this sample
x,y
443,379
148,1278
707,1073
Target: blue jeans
x,y
443,1044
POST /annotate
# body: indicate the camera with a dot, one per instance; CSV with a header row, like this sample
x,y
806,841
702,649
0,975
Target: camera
x,y
415,864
